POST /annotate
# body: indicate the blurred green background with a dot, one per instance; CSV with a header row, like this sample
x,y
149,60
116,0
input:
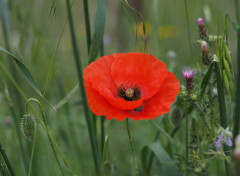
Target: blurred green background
x,y
33,34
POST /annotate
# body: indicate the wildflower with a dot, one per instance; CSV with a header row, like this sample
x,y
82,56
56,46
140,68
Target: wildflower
x,y
188,75
132,85
201,26
224,137
201,22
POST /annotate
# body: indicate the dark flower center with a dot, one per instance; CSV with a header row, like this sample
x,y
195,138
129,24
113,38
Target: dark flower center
x,y
132,93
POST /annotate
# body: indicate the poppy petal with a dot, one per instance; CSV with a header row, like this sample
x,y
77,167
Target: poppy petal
x,y
139,69
163,99
100,106
98,74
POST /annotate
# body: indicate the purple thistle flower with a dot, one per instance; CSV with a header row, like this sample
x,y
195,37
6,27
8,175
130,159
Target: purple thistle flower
x,y
188,74
200,22
201,26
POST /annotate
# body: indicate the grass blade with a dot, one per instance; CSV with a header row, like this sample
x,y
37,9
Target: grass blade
x,y
26,73
67,97
99,24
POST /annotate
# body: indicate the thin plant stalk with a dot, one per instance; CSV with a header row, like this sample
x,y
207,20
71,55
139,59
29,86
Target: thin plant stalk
x,y
45,124
46,129
102,117
18,98
132,148
32,153
186,131
12,66
188,28
16,122
237,103
102,133
6,160
221,98
82,91
87,24
222,106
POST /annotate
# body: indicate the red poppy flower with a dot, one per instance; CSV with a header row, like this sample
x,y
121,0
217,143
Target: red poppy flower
x,y
132,85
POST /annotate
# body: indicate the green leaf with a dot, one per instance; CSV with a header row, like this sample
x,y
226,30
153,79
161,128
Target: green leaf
x,y
99,27
26,73
67,97
4,14
24,70
161,130
167,166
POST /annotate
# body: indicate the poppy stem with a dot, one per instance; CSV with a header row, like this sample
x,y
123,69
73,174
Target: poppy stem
x,y
132,148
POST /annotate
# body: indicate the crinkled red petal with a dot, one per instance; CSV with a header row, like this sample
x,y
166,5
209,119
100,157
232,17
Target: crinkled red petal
x,y
139,69
98,74
160,103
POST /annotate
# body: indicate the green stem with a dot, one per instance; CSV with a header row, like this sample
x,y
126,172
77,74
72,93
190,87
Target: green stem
x,y
14,91
8,164
188,28
45,124
103,118
82,91
132,149
221,98
25,159
32,153
102,133
186,131
222,106
87,24
237,103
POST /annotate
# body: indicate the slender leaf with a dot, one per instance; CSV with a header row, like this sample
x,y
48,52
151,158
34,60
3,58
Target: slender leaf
x,y
67,97
26,73
167,166
99,24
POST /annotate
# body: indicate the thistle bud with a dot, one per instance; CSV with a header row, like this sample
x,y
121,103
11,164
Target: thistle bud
x,y
201,22
201,26
188,75
193,96
204,46
28,126
206,55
